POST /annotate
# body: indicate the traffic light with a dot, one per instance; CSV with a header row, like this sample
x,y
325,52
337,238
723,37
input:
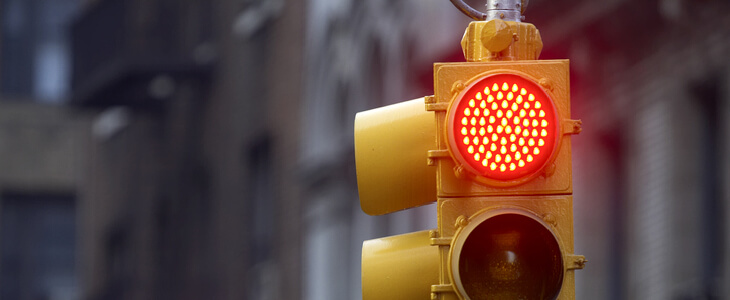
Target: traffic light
x,y
492,148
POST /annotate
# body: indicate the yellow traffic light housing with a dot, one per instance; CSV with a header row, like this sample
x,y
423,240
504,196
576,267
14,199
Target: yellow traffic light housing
x,y
507,254
502,128
390,143
542,147
492,148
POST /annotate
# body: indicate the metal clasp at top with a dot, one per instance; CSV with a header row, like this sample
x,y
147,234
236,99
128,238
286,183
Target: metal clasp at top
x,y
506,10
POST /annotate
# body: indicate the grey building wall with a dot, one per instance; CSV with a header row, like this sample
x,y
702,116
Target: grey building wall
x,y
652,94
192,189
42,145
42,151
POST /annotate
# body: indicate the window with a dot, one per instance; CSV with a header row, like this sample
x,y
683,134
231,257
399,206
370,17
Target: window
x,y
38,251
261,216
35,57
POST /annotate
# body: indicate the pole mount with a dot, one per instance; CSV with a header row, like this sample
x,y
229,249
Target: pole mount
x,y
506,10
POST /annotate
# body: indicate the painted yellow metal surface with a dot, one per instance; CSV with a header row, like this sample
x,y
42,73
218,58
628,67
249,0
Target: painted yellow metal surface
x,y
553,76
498,40
496,35
511,254
391,144
463,198
555,211
399,267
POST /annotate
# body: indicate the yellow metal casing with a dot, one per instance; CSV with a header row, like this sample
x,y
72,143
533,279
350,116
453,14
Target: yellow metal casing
x,y
391,144
465,199
399,267
552,75
455,214
501,40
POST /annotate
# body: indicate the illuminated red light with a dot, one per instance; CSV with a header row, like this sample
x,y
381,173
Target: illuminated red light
x,y
503,127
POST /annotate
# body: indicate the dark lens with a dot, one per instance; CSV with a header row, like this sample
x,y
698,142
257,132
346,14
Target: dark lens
x,y
511,256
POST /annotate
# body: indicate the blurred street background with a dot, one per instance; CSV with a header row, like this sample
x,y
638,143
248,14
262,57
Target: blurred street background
x,y
203,149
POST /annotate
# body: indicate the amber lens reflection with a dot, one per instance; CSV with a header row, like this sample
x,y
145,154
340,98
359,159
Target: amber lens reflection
x,y
511,256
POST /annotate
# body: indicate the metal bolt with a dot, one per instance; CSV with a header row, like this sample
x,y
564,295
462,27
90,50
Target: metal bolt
x,y
578,126
550,170
550,219
461,222
546,83
457,87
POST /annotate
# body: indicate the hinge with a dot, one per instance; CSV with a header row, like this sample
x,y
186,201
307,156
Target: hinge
x,y
572,126
432,105
436,240
437,289
432,155
440,241
576,262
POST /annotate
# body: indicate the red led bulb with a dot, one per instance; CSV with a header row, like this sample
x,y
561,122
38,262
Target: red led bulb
x,y
503,127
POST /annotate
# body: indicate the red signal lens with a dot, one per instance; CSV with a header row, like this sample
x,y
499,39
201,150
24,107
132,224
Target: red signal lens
x,y
503,127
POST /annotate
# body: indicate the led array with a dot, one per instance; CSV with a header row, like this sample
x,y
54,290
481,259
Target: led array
x,y
505,126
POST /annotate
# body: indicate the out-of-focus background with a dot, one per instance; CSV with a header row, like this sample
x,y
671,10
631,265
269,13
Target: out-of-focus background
x,y
203,149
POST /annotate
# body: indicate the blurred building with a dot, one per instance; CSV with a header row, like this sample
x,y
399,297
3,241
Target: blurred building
x,y
651,81
42,150
192,190
41,154
206,149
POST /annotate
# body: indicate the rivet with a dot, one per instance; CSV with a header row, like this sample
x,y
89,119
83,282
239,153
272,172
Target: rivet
x,y
457,87
550,219
544,82
461,222
550,170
